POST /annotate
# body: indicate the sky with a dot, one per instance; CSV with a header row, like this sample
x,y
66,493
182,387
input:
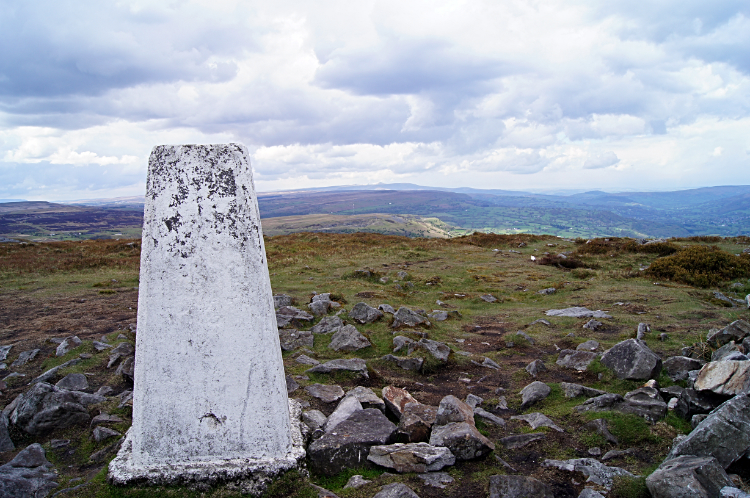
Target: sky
x,y
513,94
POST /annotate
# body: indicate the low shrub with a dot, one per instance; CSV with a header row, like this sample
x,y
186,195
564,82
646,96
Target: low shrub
x,y
700,266
560,262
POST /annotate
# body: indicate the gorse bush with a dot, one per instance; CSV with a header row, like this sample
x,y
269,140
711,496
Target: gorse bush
x,y
701,266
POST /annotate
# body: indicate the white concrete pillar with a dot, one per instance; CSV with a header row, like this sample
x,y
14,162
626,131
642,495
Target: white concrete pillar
x,y
210,399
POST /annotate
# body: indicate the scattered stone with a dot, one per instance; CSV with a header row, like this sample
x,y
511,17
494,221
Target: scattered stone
x,y
67,344
356,481
462,439
122,350
396,490
691,402
504,486
520,440
526,337
574,390
592,324
612,454
52,372
6,443
535,367
473,400
346,407
405,317
325,393
438,480
104,391
101,433
364,313
577,312
400,342
438,315
599,426
289,316
105,418
724,377
396,399
413,364
489,298
4,350
595,451
589,345
101,346
411,457
537,420
24,358
643,329
697,419
291,339
280,300
127,369
723,352
415,423
45,407
327,324
28,475
590,493
386,308
367,398
438,350
291,384
575,360
488,417
319,307
306,360
597,472
689,477
735,331
536,391
315,421
541,321
349,445
452,409
632,360
348,338
677,367
73,382
350,365
732,492
547,292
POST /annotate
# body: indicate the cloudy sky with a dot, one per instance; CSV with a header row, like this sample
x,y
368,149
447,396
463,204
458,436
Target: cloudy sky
x,y
511,94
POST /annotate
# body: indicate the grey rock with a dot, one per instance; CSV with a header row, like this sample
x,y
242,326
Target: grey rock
x,y
724,434
289,316
364,313
593,324
291,339
24,358
677,367
4,350
122,350
462,439
735,356
547,292
415,423
21,478
599,426
645,402
735,331
537,420
105,418
386,308
45,407
632,360
320,307
396,399
697,419
473,400
517,441
575,360
104,391
67,344
578,312
400,342
73,382
732,492
52,372
280,300
535,367
594,470
526,337
346,407
303,359
127,369
101,433
438,315
438,480
590,493
349,445
396,490
438,350
536,391
405,317
643,329
31,456
327,324
589,345
291,384
315,422
348,338
325,393
488,417
724,377
350,365
101,346
411,457
574,390
504,486
691,402
612,454
487,363
541,321
6,443
724,351
489,298
413,364
688,477
367,398
452,409
356,481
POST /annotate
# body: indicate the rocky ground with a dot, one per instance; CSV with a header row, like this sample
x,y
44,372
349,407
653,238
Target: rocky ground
x,y
428,367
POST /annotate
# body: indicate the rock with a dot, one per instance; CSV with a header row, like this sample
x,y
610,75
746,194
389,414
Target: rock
x,y
436,479
520,440
386,308
24,358
643,329
325,393
463,439
291,384
488,417
104,391
599,426
6,443
101,433
575,360
405,317
320,307
400,342
537,420
526,337
396,490
488,298
351,365
291,339
413,364
438,350
487,363
348,338
364,313
411,457
105,418
503,486
438,315
367,398
677,367
28,475
287,316
73,382
45,407
589,345
735,331
127,369
67,344
473,400
724,351
122,350
356,481
547,292
577,312
594,470
415,424
688,477
590,493
346,407
691,402
732,492
724,377
101,346
349,445
592,324
645,402
396,399
536,391
541,321
724,434
280,300
315,421
52,372
327,324
575,390
452,409
632,360
306,360
535,367
4,350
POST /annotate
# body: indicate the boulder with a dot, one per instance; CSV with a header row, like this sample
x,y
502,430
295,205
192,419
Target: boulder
x,y
28,475
590,345
632,360
411,457
724,377
122,350
536,391
438,350
291,339
575,359
488,417
349,365
691,402
400,342
349,444
73,382
386,308
24,358
319,307
577,312
346,407
463,439
724,434
101,433
364,313
405,317
396,490
537,420
325,393
280,300
413,364
688,476
503,486
415,423
452,409
735,331
327,324
367,398
396,399
348,338
574,390
726,350
45,407
677,367
6,443
67,344
594,470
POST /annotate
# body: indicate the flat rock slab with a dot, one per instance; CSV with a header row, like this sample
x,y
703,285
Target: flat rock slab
x,y
537,420
632,360
520,440
367,398
577,312
411,457
291,339
503,486
405,317
463,439
438,480
597,472
327,324
325,393
345,409
413,364
349,365
574,390
348,338
688,476
488,417
575,359
73,382
724,377
24,358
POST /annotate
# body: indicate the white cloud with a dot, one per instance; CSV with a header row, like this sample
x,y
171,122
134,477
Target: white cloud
x,y
603,160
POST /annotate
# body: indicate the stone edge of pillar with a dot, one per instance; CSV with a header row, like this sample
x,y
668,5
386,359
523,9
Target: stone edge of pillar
x,y
253,473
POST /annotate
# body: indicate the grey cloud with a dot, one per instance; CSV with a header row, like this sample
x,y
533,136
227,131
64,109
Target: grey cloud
x,y
602,160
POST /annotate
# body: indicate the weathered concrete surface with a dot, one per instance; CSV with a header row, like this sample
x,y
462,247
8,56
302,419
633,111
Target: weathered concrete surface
x,y
209,379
